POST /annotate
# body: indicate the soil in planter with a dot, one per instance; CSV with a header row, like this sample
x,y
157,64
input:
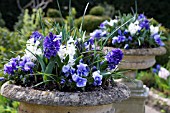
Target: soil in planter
x,y
37,83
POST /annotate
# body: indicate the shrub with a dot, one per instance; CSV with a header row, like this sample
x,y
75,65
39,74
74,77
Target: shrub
x,y
28,22
53,13
97,11
90,22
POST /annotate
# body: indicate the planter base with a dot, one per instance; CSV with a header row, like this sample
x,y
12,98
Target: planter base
x,y
34,108
136,103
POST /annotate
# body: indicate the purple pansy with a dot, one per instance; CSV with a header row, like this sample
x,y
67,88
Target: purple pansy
x,y
80,82
113,58
37,36
141,17
144,24
103,24
51,45
156,70
126,46
96,34
62,81
82,70
26,64
97,78
11,66
130,38
158,40
2,78
66,70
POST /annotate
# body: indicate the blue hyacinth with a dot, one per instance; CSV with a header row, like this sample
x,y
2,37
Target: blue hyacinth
x,y
51,45
113,58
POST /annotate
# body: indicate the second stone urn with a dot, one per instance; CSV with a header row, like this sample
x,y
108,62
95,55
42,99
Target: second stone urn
x,y
135,59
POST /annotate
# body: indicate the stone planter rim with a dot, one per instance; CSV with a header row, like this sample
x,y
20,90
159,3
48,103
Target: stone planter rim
x,y
51,98
143,51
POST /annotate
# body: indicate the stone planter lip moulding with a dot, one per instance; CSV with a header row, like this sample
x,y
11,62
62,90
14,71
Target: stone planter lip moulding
x,y
25,94
142,51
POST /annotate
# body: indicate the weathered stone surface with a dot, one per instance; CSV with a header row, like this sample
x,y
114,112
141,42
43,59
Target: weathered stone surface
x,y
35,108
28,95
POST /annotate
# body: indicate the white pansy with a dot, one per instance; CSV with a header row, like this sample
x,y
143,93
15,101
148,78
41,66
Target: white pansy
x,y
112,22
154,30
163,73
32,48
134,27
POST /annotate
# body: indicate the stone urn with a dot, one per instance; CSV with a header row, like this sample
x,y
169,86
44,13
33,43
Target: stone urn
x,y
135,59
36,101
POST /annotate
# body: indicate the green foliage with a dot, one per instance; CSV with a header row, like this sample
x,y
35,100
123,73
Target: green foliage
x,y
52,21
2,22
28,22
90,22
147,78
8,106
53,13
97,11
9,41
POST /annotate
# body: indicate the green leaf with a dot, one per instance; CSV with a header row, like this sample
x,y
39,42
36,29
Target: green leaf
x,y
103,65
58,61
139,42
50,66
66,59
78,59
106,74
163,38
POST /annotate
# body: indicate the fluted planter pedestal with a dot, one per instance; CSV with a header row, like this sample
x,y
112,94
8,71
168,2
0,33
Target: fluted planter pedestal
x,y
133,60
36,101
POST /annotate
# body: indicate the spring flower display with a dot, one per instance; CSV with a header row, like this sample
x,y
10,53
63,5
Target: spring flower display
x,y
139,32
59,61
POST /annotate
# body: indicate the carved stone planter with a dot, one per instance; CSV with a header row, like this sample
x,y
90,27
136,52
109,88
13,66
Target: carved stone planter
x,y
36,101
133,60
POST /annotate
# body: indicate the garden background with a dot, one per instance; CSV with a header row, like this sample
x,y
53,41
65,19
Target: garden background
x,y
18,19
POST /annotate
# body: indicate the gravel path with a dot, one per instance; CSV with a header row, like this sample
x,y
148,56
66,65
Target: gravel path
x,y
149,109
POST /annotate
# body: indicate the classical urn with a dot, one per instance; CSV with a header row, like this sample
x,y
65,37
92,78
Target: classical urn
x,y
36,101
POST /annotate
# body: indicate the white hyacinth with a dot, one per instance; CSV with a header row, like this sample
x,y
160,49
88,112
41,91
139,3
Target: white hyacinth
x,y
134,27
32,48
163,73
154,30
69,49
